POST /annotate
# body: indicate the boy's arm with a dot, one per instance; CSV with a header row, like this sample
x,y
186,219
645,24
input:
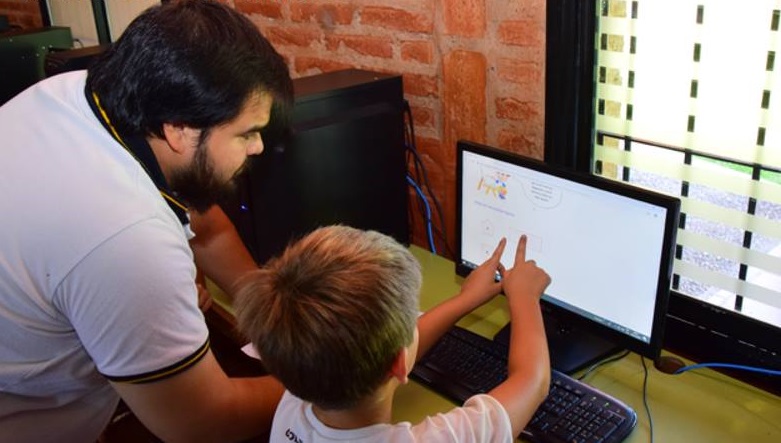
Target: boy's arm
x,y
528,361
218,249
478,288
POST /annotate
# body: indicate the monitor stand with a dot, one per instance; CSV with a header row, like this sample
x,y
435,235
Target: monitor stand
x,y
571,348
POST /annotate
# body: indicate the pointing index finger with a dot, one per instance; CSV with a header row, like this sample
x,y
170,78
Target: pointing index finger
x,y
497,254
520,253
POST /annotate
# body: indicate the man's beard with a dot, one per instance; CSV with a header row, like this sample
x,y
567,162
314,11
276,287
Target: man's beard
x,y
198,186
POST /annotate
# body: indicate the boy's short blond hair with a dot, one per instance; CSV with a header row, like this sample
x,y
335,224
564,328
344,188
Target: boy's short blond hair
x,y
330,314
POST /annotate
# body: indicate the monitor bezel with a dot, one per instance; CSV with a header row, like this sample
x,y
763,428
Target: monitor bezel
x,y
653,348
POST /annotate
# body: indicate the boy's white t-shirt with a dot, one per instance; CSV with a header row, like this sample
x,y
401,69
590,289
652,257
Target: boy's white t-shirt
x,y
481,419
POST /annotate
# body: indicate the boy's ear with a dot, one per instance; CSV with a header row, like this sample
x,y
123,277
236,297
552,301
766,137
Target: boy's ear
x,y
180,138
399,367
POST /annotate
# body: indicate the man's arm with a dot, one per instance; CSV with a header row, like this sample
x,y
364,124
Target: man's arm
x,y
218,249
202,404
132,301
478,288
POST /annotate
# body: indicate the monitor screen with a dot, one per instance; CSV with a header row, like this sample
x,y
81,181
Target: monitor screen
x,y
607,246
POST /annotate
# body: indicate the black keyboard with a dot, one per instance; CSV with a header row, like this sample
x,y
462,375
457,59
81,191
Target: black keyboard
x,y
463,364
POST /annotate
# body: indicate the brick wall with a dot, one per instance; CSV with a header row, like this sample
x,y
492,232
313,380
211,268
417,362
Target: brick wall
x,y
24,14
472,69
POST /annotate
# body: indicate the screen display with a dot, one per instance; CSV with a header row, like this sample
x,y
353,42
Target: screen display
x,y
606,246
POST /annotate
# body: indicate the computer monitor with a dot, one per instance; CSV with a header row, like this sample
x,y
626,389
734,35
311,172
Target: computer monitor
x,y
607,246
342,162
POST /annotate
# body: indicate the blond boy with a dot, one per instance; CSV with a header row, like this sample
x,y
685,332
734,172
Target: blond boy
x,y
335,318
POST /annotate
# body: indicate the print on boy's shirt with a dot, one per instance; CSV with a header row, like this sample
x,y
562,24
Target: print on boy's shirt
x,y
292,436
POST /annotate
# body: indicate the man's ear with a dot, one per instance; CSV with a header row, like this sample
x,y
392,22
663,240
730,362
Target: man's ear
x,y
180,138
399,367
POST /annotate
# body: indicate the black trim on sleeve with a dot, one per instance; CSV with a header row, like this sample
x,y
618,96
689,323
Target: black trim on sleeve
x,y
160,374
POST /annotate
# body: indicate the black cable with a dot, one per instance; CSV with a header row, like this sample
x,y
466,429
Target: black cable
x,y
437,232
410,161
603,362
419,166
645,399
408,110
417,178
443,239
645,384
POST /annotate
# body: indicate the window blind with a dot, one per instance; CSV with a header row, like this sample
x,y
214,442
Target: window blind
x,y
688,102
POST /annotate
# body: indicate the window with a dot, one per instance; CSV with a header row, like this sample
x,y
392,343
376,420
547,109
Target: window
x,y
78,16
684,97
688,109
94,22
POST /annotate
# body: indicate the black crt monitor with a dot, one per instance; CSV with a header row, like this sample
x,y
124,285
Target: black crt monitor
x,y
607,246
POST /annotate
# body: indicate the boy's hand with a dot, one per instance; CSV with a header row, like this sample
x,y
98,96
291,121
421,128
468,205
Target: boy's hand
x,y
524,278
481,285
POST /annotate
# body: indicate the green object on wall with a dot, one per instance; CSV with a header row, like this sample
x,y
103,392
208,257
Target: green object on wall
x,y
22,56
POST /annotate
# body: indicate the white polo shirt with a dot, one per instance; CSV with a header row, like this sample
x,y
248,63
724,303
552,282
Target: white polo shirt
x,y
96,274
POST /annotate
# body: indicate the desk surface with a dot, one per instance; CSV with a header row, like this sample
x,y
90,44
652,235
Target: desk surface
x,y
696,406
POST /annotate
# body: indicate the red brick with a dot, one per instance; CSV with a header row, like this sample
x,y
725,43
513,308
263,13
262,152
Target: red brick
x,y
464,108
292,35
519,10
431,154
304,65
419,51
421,85
513,109
328,14
264,8
519,71
525,33
432,147
521,143
25,14
19,19
22,7
398,19
362,44
423,117
416,222
464,18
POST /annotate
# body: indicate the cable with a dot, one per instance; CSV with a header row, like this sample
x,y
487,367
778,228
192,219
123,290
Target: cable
x,y
438,232
428,213
645,399
419,166
728,365
601,363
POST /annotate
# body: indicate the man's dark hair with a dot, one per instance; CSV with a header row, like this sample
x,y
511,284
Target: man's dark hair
x,y
188,62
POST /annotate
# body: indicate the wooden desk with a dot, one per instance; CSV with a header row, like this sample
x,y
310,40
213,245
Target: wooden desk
x,y
697,406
